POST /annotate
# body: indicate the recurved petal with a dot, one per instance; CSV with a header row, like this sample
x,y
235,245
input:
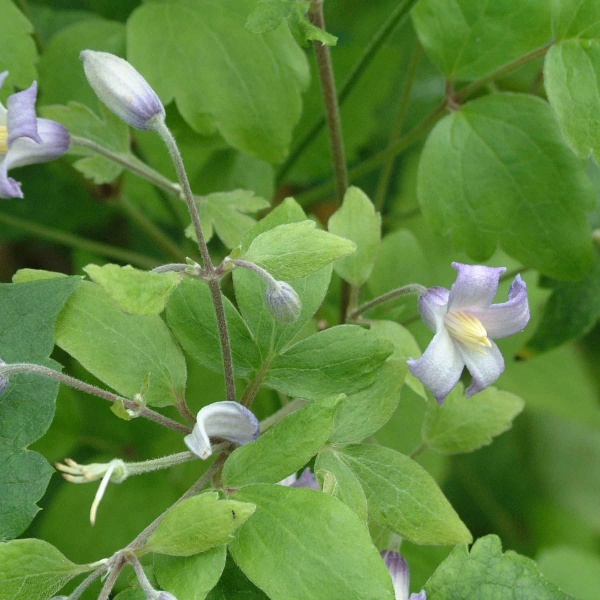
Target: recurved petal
x,y
440,366
485,368
433,305
502,320
21,119
475,286
9,188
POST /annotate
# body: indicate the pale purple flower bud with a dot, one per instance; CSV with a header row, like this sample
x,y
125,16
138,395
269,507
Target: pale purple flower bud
x,y
282,301
465,322
122,89
306,480
228,420
400,573
3,380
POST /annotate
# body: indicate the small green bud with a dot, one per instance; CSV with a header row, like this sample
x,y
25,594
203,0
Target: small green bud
x,y
283,302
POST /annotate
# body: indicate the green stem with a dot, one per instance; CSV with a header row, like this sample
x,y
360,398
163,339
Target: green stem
x,y
388,167
253,387
115,570
332,109
369,53
73,241
284,411
405,290
418,450
156,464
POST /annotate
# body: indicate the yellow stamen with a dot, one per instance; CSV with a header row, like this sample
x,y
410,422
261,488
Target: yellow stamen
x,y
3,139
467,329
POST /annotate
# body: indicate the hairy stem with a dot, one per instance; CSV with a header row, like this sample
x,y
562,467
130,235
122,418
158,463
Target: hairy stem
x,y
156,464
254,386
332,109
93,390
85,584
113,575
73,241
405,290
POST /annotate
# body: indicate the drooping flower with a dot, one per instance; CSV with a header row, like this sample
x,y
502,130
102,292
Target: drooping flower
x,y
400,572
122,89
228,420
465,322
26,139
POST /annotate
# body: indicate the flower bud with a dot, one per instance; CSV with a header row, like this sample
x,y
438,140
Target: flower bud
x,y
3,380
122,89
283,302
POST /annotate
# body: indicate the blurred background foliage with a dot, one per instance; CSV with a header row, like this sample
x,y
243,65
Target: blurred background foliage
x,y
537,486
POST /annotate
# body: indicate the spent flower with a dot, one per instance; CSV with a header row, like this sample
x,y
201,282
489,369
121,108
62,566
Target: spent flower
x,y
124,91
465,322
26,139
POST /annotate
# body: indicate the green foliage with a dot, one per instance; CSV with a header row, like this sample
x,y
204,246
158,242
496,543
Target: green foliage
x,y
403,497
284,448
467,38
334,556
33,570
357,221
289,252
126,350
575,18
198,524
248,89
465,574
535,196
467,424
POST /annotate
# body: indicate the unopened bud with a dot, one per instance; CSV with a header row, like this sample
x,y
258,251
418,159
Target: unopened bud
x,y
283,302
3,380
122,89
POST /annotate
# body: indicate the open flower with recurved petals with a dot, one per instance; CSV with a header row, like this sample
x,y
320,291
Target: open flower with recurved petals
x,y
25,139
465,322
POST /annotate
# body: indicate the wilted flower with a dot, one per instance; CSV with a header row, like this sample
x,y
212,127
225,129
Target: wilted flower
x,y
228,420
122,89
282,301
25,139
400,572
465,321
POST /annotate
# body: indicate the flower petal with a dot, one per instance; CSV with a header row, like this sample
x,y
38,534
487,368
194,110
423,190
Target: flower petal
x,y
400,572
22,122
227,420
54,138
485,367
475,286
9,188
306,480
420,596
433,306
440,366
502,320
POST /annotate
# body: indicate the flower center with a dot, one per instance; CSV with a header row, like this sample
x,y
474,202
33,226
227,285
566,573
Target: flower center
x,y
467,329
3,139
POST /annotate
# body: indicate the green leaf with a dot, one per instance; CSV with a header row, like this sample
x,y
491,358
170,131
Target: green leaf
x,y
191,317
190,577
134,291
33,570
575,18
342,359
466,424
487,572
405,347
28,312
17,48
338,480
198,524
126,348
531,195
403,497
357,221
467,39
570,312
367,411
572,80
335,557
227,214
269,14
107,131
247,88
284,448
295,250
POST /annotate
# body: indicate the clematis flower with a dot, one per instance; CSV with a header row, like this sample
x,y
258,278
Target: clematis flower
x,y
228,420
465,322
400,572
25,139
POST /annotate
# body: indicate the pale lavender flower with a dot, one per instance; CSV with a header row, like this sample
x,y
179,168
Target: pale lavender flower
x,y
228,420
122,89
465,321
306,480
400,572
25,139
